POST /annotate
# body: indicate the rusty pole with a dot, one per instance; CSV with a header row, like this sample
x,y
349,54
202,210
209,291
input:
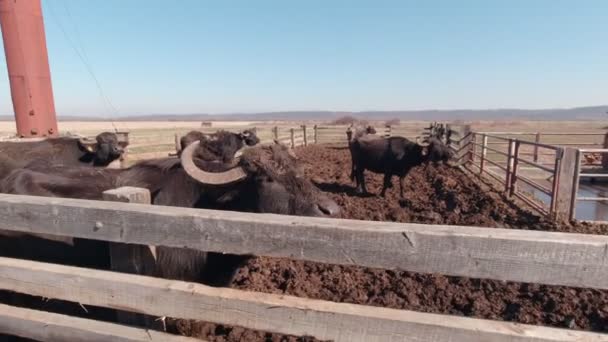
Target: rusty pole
x,y
28,67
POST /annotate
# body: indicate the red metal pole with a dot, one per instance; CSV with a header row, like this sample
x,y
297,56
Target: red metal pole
x,y
28,67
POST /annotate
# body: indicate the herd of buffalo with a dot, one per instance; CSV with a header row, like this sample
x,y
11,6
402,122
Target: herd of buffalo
x,y
223,171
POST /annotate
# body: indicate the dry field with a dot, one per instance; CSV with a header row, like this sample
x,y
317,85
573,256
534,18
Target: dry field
x,y
151,139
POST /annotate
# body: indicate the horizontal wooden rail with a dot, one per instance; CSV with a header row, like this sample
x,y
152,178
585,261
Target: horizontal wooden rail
x,y
268,312
51,327
503,254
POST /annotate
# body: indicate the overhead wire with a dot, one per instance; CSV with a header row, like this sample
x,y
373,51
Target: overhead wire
x,y
81,53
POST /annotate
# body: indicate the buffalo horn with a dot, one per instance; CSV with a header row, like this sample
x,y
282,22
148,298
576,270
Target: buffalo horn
x,y
88,144
211,178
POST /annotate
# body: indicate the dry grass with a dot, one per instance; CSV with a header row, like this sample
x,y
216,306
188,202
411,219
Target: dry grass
x,y
156,138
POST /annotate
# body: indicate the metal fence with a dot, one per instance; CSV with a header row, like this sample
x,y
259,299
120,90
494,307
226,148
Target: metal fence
x,y
512,165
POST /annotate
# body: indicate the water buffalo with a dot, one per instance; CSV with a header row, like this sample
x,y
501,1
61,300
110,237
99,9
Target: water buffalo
x,y
220,146
65,151
438,151
389,156
266,179
353,133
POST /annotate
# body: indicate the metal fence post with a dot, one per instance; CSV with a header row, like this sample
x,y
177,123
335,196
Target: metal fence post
x,y
293,143
473,149
484,152
512,188
315,134
555,184
511,152
537,140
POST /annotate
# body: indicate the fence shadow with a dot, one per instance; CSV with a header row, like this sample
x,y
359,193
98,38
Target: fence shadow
x,y
338,188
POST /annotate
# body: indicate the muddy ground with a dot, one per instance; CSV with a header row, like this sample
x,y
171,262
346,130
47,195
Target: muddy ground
x,y
439,195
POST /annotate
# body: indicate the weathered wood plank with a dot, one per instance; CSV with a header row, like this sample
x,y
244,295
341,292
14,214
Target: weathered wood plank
x,y
565,175
131,258
504,254
46,326
267,312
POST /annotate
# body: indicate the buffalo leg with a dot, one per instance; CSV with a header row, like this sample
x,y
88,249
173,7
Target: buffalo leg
x,y
387,183
402,185
360,181
221,268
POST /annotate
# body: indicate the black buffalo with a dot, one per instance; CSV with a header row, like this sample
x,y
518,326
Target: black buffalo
x,y
221,146
64,151
266,179
438,151
352,134
389,156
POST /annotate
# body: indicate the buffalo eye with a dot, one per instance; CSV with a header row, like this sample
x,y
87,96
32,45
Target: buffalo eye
x,y
264,179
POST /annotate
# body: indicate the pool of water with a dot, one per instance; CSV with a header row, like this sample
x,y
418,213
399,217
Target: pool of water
x,y
585,210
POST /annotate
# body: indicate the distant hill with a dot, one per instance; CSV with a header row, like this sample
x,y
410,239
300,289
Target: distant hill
x,y
579,113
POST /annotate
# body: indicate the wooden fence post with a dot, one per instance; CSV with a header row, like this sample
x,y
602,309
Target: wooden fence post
x,y
387,131
464,135
178,144
131,258
575,184
316,134
293,143
305,137
537,140
565,175
275,131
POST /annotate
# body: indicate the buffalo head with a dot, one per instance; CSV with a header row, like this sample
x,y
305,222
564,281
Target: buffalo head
x,y
265,179
103,150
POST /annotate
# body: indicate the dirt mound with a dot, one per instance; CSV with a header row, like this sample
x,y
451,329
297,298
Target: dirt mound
x,y
439,195
433,195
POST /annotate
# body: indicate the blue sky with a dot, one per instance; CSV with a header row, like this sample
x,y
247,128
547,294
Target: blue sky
x,y
153,56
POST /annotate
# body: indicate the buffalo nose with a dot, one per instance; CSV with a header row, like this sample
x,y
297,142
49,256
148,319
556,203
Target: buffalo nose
x,y
329,208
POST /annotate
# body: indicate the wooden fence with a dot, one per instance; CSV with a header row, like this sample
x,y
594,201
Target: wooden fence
x,y
303,135
503,254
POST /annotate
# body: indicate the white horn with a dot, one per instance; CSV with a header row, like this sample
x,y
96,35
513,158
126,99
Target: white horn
x,y
211,178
